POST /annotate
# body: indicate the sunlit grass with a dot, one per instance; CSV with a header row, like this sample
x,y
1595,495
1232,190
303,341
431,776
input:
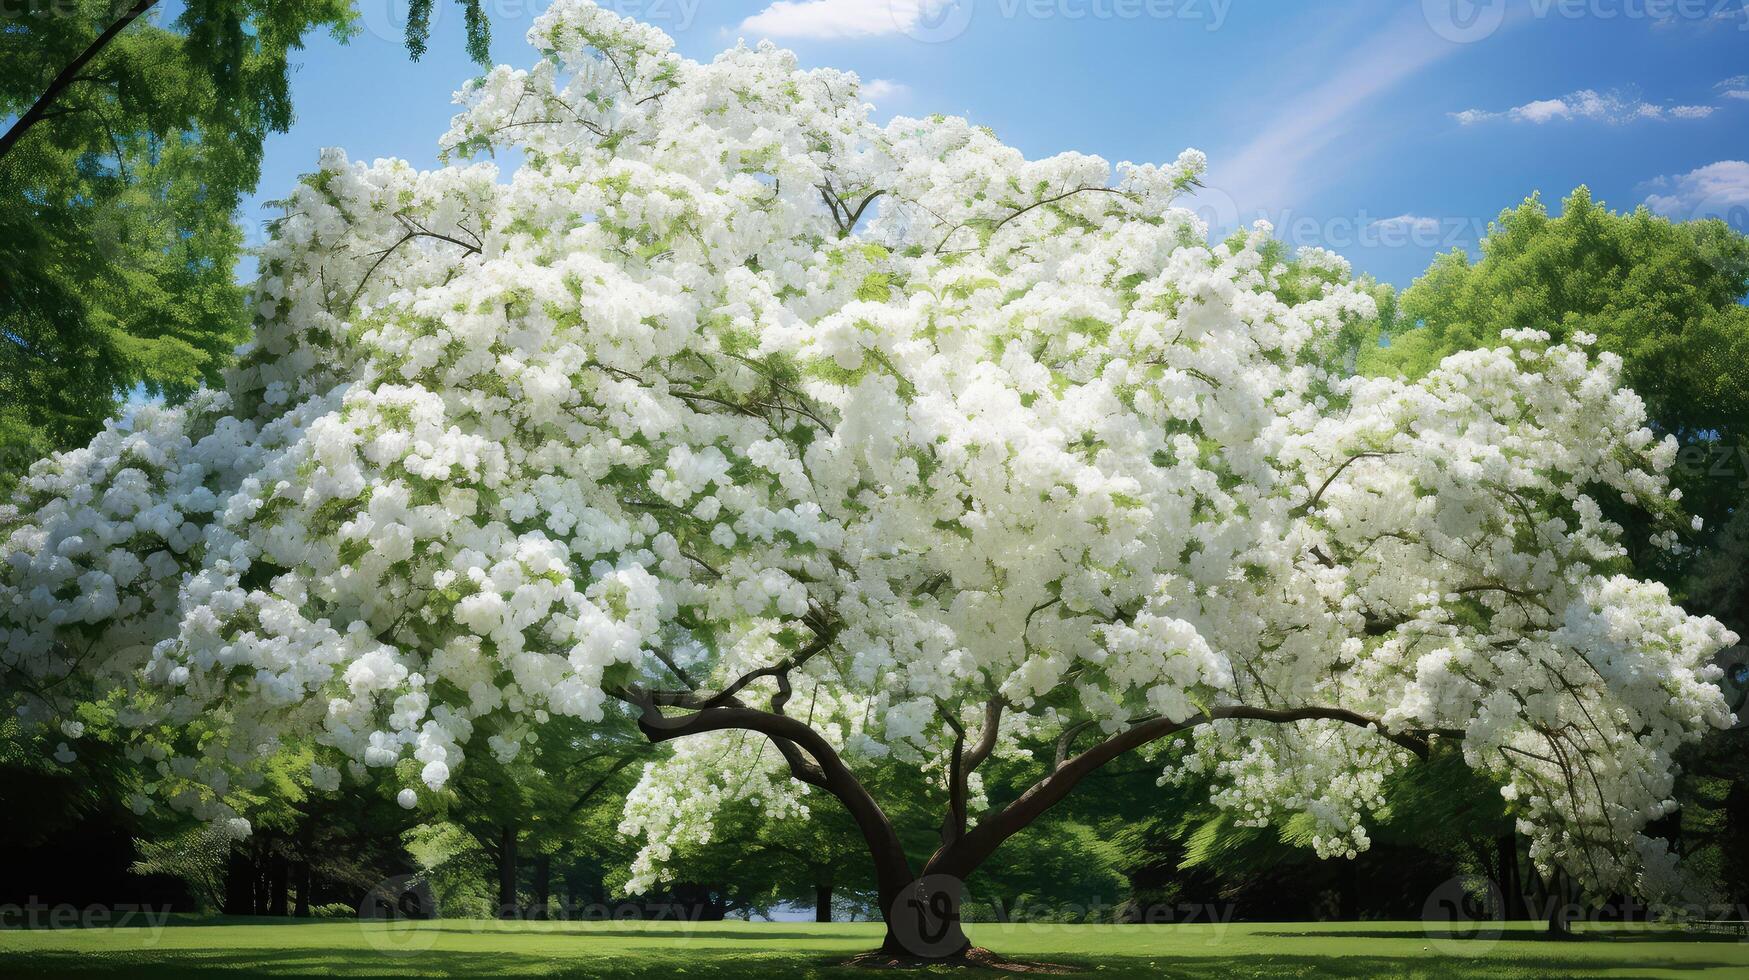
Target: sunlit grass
x,y
768,951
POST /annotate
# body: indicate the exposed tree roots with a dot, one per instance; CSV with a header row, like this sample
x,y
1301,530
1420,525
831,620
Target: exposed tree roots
x,y
974,957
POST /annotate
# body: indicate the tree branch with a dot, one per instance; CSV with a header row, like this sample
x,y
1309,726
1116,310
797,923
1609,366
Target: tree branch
x,y
812,760
68,75
963,857
596,786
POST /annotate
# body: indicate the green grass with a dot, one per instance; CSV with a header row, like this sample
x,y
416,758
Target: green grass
x,y
769,951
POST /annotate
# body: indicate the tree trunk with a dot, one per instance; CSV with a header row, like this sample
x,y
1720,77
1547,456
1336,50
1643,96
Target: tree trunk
x,y
1511,881
543,886
261,861
1559,911
924,922
1347,892
1735,844
305,873
239,883
305,877
823,901
279,875
507,872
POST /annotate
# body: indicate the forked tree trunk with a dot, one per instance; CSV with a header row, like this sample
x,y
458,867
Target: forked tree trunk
x,y
922,912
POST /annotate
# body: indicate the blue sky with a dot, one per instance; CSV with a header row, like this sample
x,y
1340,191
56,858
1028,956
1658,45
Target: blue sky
x,y
1388,130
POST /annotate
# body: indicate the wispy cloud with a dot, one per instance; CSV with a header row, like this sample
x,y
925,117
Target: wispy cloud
x,y
1301,128
834,19
1716,190
883,90
1735,87
1586,104
1411,224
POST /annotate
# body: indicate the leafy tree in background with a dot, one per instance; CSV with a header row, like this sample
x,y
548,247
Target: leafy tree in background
x,y
1664,295
130,144
559,796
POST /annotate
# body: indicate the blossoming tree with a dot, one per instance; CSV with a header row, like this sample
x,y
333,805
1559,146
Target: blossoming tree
x,y
876,443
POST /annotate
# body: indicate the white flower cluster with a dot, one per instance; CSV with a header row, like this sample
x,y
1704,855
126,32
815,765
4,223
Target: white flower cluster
x,y
724,372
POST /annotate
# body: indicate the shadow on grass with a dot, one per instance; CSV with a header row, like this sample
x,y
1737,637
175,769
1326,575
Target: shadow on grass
x,y
165,964
1536,937
594,930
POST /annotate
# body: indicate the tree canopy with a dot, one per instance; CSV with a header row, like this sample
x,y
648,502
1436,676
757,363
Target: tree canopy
x,y
880,444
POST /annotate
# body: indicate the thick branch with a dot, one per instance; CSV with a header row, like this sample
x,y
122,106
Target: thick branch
x,y
966,854
68,75
812,760
961,765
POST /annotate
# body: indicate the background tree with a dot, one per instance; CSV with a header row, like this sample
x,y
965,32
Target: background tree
x,y
132,140
1665,296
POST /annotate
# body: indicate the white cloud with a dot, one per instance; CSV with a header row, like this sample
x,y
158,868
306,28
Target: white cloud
x,y
1710,191
1588,104
1411,224
881,89
1735,87
831,19
1542,111
1737,93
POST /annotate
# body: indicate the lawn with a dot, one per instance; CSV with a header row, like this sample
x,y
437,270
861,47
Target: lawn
x,y
187,947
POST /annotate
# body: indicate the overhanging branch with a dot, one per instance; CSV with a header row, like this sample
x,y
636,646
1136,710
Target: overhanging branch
x,y
69,75
967,853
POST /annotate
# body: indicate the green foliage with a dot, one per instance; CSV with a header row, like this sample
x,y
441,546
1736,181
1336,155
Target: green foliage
x,y
479,29
458,871
196,856
117,244
1663,295
116,239
1058,870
